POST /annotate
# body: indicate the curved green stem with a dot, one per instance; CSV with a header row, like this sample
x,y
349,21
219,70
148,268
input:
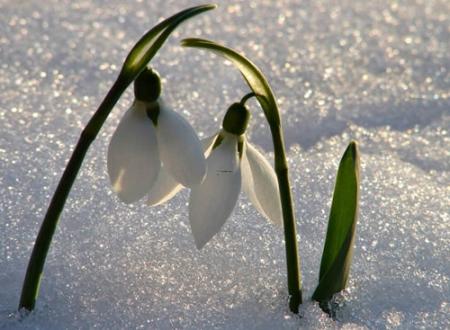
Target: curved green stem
x,y
261,89
35,267
247,97
136,61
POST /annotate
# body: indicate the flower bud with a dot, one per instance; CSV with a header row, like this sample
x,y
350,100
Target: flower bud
x,y
236,119
147,86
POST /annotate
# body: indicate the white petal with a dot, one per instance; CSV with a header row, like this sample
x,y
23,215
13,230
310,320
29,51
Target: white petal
x,y
133,159
212,202
180,149
166,187
260,184
208,143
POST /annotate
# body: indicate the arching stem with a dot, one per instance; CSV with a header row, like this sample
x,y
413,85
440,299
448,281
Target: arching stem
x,y
136,61
35,267
261,89
247,97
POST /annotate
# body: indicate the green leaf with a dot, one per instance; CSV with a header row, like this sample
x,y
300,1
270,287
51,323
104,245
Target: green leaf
x,y
151,42
338,249
251,73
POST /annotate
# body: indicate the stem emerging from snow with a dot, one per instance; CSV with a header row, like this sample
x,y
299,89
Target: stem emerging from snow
x,y
290,232
261,88
136,61
35,268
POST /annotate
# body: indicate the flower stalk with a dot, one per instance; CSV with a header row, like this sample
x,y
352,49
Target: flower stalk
x,y
289,224
261,89
35,268
136,61
247,96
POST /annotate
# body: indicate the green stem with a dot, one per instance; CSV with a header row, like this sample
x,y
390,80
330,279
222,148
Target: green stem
x,y
259,85
138,58
290,232
247,97
30,289
281,170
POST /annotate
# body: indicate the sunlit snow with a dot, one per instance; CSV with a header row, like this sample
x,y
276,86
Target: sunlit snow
x,y
374,71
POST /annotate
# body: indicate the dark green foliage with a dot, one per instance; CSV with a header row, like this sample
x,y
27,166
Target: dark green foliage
x,y
338,248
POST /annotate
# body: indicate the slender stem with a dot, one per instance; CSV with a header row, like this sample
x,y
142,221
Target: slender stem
x,y
30,289
247,97
290,232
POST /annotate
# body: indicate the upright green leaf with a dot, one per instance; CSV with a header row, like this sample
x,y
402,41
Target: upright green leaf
x,y
338,248
151,42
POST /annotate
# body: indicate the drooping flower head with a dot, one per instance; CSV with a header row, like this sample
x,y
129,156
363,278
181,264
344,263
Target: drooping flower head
x,y
152,143
233,164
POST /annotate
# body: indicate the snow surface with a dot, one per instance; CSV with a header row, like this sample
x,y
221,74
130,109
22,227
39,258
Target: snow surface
x,y
374,71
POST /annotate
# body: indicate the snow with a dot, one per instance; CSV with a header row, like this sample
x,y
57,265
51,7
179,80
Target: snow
x,y
374,71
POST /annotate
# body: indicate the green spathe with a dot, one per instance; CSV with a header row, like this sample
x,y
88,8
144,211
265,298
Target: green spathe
x,y
338,248
151,42
251,73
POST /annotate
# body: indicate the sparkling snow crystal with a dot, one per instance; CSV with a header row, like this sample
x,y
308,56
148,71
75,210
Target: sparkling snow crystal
x,y
374,71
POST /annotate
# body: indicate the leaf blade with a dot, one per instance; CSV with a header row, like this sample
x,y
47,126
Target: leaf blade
x,y
338,247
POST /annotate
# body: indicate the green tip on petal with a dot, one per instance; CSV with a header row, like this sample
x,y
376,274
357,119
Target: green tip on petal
x,y
146,48
338,248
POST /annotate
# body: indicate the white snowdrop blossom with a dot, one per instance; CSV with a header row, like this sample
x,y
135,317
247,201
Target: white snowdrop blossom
x,y
233,164
151,146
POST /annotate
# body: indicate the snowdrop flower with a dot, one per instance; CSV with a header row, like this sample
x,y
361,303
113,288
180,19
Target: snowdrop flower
x,y
149,135
232,164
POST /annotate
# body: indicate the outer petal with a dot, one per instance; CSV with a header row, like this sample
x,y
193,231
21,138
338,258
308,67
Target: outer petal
x,y
133,159
260,184
208,143
166,187
212,202
180,148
